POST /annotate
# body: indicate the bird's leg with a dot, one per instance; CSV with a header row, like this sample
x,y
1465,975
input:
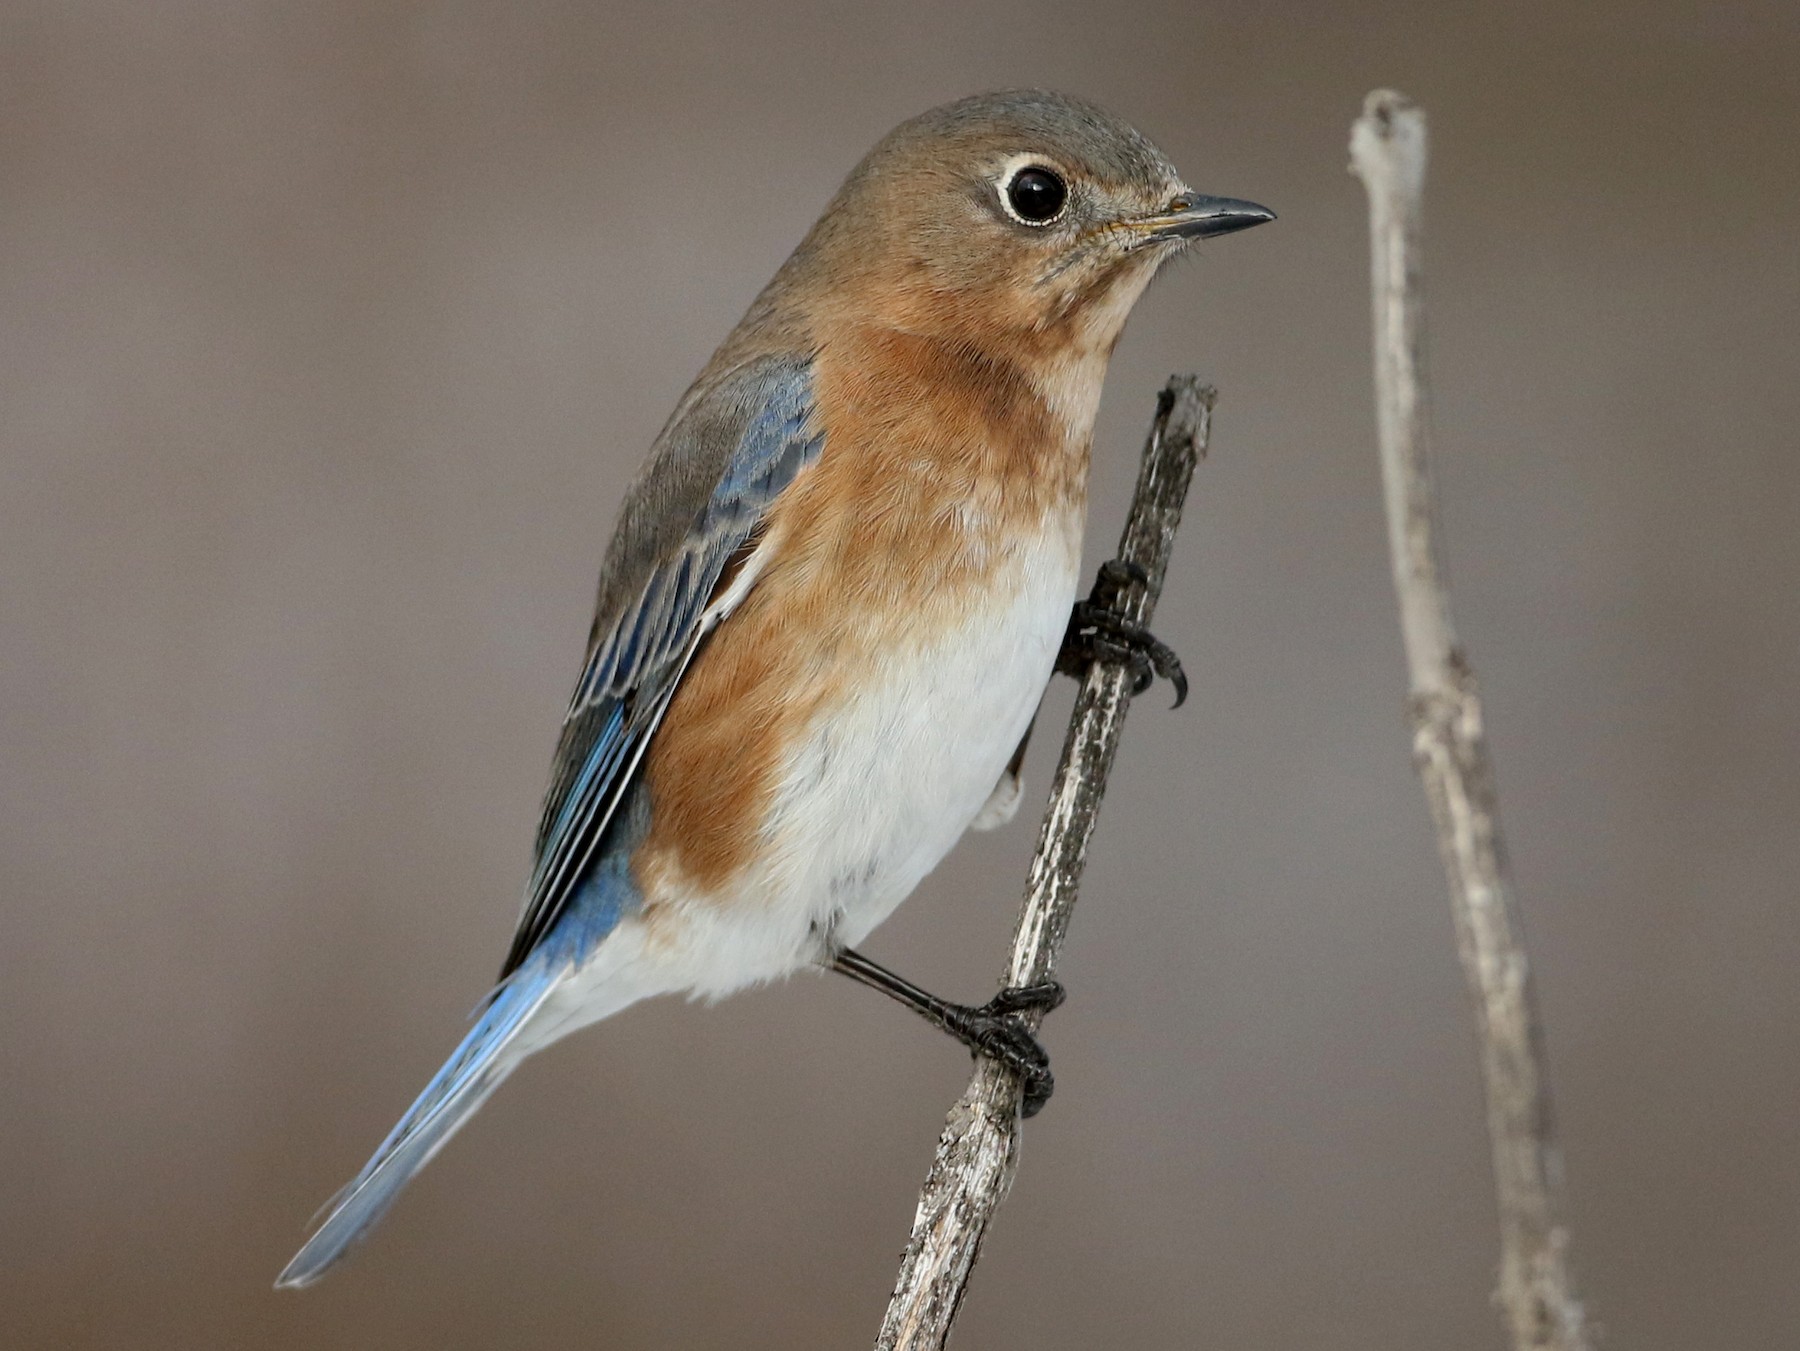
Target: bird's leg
x,y
1098,632
987,1029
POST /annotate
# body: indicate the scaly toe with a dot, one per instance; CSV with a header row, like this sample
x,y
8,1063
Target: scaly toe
x,y
1041,997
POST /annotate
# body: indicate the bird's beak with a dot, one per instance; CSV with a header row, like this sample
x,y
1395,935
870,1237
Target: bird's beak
x,y
1192,216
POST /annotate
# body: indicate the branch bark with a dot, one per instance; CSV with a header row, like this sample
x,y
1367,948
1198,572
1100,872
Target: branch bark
x,y
1387,150
977,1154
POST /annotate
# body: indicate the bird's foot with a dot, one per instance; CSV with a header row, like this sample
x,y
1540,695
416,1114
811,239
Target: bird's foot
x,y
993,1030
1097,632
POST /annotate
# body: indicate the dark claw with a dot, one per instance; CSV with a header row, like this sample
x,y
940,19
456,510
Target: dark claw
x,y
1120,571
992,1031
1036,1092
1097,633
1042,997
1009,1044
1146,654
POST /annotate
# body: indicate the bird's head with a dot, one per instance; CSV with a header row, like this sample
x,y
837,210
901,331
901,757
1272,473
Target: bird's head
x,y
1016,216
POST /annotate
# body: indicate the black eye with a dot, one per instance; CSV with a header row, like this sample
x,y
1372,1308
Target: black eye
x,y
1036,195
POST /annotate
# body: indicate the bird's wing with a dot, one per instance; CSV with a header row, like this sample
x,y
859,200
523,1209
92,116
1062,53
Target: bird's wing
x,y
674,569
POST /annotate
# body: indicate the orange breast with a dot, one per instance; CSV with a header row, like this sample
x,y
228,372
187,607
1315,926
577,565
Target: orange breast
x,y
934,461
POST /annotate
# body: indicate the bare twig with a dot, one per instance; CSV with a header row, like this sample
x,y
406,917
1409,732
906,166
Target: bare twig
x,y
978,1151
1387,149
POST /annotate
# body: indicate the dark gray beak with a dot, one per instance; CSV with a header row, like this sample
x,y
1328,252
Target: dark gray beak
x,y
1191,216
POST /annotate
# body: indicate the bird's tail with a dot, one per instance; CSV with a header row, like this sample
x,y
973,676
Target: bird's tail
x,y
473,1071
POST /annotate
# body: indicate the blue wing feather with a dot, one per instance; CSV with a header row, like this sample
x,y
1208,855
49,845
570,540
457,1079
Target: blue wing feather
x,y
635,662
751,437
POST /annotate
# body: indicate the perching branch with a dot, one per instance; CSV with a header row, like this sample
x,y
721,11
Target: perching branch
x,y
1387,151
978,1152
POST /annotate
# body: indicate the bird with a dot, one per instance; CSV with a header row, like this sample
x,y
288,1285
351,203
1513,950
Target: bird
x,y
833,599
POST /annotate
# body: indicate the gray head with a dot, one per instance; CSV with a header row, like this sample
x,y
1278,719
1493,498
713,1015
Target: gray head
x,y
1011,212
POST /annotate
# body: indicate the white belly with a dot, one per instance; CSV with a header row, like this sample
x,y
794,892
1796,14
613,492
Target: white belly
x,y
885,783
888,783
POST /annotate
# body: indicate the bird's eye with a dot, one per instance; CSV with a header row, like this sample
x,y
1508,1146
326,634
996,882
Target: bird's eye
x,y
1036,195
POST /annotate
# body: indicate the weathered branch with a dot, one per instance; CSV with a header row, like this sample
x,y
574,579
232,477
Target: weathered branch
x,y
978,1151
1387,149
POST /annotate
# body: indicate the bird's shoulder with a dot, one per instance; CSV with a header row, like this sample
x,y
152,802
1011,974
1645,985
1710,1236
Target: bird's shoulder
x,y
738,435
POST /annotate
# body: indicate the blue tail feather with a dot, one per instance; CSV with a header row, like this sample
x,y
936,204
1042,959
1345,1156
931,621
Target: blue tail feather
x,y
474,1070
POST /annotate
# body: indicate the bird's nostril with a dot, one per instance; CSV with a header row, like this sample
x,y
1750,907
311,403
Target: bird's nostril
x,y
1181,201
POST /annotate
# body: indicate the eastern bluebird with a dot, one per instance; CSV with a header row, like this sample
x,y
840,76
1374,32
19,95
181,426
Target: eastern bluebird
x,y
834,597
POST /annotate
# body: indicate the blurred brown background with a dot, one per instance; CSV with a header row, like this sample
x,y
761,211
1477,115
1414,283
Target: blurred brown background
x,y
329,334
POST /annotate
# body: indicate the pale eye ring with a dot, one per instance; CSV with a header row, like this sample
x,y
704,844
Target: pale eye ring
x,y
1035,195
